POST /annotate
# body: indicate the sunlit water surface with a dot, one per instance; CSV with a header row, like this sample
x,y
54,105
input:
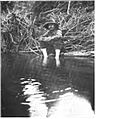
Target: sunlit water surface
x,y
30,89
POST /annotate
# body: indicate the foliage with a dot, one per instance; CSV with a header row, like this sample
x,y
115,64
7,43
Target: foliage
x,y
22,21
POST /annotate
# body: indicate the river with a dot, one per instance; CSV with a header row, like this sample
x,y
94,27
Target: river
x,y
29,89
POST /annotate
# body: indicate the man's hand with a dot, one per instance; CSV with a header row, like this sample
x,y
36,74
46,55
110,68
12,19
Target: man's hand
x,y
45,38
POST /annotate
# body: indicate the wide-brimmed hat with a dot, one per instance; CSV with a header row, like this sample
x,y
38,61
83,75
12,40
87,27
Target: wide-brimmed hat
x,y
46,25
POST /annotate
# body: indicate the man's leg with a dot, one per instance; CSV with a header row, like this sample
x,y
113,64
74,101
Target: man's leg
x,y
44,51
57,51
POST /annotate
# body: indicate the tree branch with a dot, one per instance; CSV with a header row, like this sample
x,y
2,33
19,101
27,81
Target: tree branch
x,y
68,7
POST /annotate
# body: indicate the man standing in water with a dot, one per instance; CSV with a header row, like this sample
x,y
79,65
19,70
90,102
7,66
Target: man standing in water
x,y
51,39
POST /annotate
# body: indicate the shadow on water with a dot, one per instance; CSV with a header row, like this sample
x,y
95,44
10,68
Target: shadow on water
x,y
31,89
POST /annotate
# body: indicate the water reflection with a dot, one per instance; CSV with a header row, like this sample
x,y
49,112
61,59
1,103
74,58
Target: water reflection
x,y
34,98
64,103
41,91
70,106
47,59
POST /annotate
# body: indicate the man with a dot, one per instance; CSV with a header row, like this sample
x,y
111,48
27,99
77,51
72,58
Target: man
x,y
51,39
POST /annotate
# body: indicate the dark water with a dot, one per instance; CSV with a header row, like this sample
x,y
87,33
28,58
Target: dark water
x,y
30,89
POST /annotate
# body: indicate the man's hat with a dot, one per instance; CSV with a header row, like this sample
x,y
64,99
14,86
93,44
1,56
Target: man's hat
x,y
46,25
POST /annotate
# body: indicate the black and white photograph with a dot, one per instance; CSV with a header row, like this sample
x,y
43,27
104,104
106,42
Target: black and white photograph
x,y
47,59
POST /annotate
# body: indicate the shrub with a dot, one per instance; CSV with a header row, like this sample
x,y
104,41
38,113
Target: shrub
x,y
21,24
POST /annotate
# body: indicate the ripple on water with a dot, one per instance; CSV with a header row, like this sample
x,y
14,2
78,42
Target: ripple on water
x,y
48,91
63,103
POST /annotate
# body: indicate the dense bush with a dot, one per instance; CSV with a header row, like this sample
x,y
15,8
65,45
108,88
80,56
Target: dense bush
x,y
22,21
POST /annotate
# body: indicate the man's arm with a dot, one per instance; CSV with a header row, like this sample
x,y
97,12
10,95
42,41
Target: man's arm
x,y
58,34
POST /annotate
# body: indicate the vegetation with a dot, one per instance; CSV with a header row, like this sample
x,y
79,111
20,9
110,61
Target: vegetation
x,y
22,21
